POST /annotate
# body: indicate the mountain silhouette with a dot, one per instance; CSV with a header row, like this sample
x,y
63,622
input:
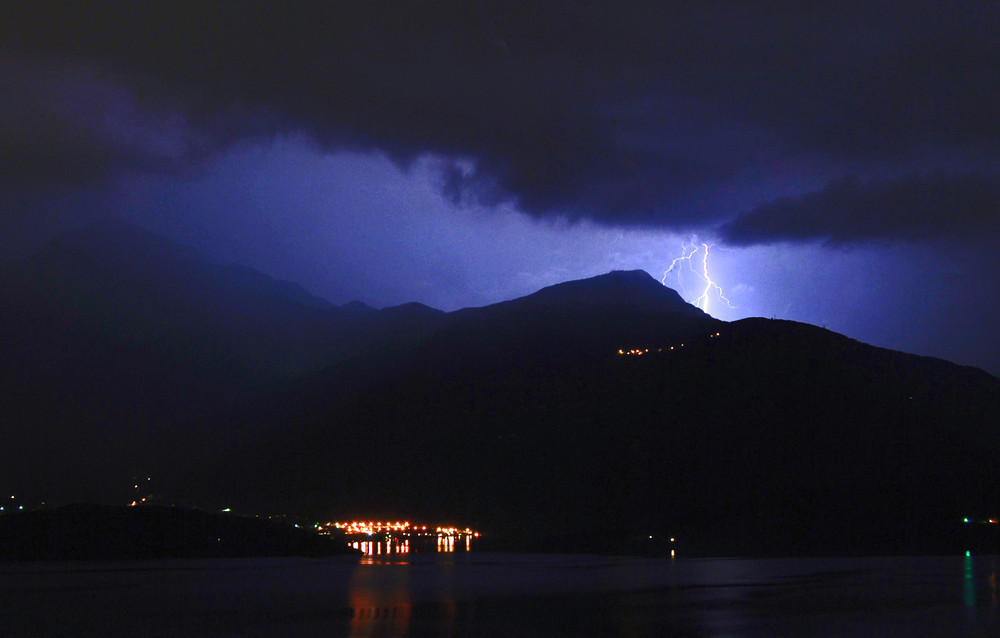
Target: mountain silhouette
x,y
113,338
586,415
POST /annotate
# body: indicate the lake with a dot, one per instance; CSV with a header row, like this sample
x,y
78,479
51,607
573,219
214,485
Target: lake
x,y
495,594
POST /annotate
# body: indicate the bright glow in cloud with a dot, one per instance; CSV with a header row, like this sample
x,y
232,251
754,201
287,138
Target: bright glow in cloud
x,y
357,226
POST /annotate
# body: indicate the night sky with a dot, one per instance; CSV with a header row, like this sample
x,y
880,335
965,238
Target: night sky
x,y
840,158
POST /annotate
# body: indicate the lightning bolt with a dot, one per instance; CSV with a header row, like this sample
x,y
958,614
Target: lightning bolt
x,y
688,252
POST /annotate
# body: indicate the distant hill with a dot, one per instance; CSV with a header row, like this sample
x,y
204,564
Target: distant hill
x,y
528,418
89,532
114,339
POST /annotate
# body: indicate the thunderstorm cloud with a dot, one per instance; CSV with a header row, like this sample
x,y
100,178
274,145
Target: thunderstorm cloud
x,y
648,114
914,207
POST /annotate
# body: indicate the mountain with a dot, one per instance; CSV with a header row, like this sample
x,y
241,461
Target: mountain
x,y
528,418
756,436
114,339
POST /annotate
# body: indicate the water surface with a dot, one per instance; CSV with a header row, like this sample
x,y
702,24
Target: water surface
x,y
482,594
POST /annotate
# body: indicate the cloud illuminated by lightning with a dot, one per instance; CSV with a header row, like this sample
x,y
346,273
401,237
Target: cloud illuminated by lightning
x,y
689,251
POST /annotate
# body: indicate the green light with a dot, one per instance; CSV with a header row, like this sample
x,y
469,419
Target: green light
x,y
969,583
965,520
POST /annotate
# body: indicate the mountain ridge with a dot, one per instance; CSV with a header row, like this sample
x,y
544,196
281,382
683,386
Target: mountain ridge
x,y
522,415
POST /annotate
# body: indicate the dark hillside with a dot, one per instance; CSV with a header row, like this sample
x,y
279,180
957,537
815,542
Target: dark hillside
x,y
96,532
754,437
587,413
113,339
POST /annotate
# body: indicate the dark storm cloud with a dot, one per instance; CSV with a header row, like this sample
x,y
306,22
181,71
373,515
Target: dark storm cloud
x,y
586,109
915,207
68,125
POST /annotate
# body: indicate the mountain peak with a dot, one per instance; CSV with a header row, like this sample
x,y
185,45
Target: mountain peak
x,y
631,279
629,288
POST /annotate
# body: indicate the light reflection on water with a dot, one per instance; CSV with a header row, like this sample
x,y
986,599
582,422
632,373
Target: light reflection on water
x,y
487,594
380,602
441,544
592,595
377,548
969,585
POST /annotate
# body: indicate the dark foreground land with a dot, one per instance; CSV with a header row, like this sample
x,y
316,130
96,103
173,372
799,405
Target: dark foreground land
x,y
98,532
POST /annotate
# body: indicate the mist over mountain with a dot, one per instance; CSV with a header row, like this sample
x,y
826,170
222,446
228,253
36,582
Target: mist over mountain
x,y
128,355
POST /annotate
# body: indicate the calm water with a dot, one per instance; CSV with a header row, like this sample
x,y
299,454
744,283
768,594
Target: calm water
x,y
480,594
